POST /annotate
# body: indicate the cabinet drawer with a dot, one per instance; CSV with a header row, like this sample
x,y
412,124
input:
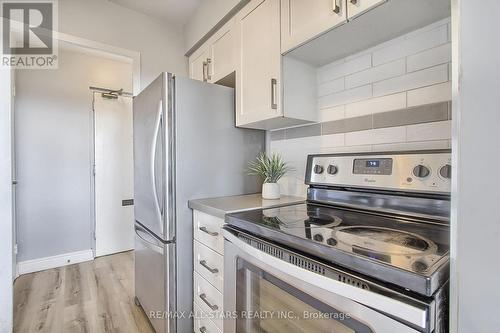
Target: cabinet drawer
x,y
209,264
207,230
203,323
208,299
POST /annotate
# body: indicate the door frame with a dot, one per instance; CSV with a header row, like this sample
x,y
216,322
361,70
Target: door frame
x,y
104,50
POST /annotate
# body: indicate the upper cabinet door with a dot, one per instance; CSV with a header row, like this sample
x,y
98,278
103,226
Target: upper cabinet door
x,y
222,52
199,65
303,20
258,91
358,7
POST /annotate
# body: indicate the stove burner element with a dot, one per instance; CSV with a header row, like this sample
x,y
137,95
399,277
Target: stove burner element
x,y
383,240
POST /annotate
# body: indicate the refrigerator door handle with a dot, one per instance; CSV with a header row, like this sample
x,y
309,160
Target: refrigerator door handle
x,y
148,240
158,126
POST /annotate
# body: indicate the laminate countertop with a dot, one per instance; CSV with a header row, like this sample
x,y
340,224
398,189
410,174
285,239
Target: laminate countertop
x,y
221,206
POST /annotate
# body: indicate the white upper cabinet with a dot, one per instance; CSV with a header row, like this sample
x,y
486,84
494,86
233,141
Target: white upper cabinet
x,y
198,64
222,53
358,7
216,58
258,87
303,20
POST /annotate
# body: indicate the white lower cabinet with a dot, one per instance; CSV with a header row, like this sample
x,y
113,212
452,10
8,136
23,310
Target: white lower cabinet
x,y
209,299
209,264
203,323
208,267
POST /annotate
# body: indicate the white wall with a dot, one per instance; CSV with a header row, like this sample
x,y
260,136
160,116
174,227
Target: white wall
x,y
476,144
161,45
404,73
206,16
6,213
53,147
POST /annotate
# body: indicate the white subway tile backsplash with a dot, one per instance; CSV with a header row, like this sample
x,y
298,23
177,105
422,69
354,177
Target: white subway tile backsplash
x,y
411,45
376,136
431,94
425,145
376,105
408,71
413,80
430,131
374,74
436,56
331,87
333,113
345,97
342,68
333,140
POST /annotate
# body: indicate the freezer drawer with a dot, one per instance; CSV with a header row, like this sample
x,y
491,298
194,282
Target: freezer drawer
x,y
153,263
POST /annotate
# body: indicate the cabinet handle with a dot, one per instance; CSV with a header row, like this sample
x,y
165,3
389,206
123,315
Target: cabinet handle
x,y
205,71
336,6
210,305
210,269
354,2
209,69
211,233
274,83
203,329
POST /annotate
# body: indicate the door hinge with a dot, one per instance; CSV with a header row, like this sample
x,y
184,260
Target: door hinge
x,y
93,169
15,248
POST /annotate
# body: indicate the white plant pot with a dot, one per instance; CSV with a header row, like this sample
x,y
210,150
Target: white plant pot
x,y
270,191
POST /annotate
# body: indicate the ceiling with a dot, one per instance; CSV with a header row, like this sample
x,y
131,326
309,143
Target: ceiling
x,y
173,11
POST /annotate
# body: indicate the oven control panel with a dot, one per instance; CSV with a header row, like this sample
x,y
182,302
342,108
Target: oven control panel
x,y
419,171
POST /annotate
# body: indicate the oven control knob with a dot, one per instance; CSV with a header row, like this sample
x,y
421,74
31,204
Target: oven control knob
x,y
331,241
332,169
318,169
445,171
318,237
421,171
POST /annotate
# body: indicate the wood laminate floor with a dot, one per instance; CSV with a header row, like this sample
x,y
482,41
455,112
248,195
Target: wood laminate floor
x,y
95,296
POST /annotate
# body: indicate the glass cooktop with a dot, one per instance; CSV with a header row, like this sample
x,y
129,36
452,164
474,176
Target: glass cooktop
x,y
411,246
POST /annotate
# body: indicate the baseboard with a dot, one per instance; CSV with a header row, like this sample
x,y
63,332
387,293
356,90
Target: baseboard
x,y
40,264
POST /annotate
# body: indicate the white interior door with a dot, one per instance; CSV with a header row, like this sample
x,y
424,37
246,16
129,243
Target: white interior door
x,y
114,178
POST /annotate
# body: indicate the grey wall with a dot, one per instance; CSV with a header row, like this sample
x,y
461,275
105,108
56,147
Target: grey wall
x,y
476,146
206,16
6,213
53,147
160,44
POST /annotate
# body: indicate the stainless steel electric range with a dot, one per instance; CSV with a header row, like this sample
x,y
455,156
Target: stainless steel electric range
x,y
368,252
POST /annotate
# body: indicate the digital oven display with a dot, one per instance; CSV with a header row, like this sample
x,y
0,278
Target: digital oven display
x,y
372,166
372,163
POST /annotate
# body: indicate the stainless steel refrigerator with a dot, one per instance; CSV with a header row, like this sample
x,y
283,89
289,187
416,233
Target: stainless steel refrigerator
x,y
186,146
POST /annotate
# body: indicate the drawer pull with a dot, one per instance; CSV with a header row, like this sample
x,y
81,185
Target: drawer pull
x,y
211,233
354,2
210,269
210,305
203,329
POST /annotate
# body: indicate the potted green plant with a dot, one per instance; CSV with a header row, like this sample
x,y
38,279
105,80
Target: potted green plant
x,y
270,169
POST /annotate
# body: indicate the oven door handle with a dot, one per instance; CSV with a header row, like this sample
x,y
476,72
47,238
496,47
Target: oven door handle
x,y
277,267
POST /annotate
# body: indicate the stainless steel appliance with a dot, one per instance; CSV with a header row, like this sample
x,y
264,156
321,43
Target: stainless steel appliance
x,y
183,135
368,252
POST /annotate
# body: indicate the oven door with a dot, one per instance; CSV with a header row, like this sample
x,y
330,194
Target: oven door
x,y
263,293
